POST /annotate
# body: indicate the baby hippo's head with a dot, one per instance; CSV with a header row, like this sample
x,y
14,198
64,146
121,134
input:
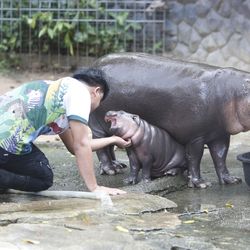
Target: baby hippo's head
x,y
122,124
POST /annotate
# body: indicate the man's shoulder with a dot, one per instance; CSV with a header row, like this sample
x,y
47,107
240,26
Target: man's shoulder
x,y
74,84
70,80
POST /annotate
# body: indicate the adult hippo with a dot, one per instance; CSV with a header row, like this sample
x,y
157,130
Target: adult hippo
x,y
196,103
153,150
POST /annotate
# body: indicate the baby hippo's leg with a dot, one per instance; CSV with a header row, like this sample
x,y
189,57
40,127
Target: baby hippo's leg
x,y
146,169
134,167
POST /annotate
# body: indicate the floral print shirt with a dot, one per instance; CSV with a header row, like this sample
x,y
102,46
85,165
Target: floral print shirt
x,y
41,107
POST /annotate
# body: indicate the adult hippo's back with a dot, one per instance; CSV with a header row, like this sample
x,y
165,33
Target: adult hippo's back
x,y
197,104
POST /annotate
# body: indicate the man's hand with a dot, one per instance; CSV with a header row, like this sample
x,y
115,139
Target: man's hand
x,y
121,143
110,191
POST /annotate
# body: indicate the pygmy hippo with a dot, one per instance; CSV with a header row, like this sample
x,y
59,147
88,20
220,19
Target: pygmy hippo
x,y
153,150
195,103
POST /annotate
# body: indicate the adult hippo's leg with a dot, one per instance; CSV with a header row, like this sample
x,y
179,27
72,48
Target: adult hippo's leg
x,y
218,150
194,153
108,163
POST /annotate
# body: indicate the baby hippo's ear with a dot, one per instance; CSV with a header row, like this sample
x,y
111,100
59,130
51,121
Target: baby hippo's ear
x,y
136,118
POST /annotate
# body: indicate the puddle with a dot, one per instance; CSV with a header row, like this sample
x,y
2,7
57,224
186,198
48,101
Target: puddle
x,y
217,196
218,215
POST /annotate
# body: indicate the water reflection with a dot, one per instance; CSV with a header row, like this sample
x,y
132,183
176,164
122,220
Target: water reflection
x,y
217,195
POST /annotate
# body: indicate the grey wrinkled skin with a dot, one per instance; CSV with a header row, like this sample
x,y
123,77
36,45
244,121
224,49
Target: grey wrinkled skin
x,y
196,104
153,150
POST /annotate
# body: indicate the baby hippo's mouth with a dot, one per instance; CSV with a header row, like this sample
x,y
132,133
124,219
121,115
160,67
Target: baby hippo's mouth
x,y
111,117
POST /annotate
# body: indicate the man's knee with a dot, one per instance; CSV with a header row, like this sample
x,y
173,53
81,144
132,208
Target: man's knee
x,y
42,182
49,180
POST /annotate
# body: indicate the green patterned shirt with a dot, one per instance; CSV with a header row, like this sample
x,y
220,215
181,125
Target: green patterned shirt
x,y
40,107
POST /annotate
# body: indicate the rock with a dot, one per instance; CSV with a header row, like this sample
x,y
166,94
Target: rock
x,y
219,39
195,41
70,223
216,58
139,203
176,11
225,52
201,26
209,44
184,33
244,51
225,9
214,21
190,14
199,55
203,7
233,44
181,50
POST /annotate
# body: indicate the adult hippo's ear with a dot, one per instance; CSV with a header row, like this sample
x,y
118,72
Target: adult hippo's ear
x,y
137,119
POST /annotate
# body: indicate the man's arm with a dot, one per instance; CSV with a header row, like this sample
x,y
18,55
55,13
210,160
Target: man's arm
x,y
78,142
96,144
82,150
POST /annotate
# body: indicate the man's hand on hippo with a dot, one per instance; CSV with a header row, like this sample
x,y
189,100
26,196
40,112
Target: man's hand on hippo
x,y
121,143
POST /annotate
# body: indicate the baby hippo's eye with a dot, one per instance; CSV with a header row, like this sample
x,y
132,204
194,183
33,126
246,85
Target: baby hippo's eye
x,y
134,117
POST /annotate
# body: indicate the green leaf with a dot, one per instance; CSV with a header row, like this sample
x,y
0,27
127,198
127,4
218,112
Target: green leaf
x,y
50,33
67,25
42,31
58,26
68,43
121,20
71,50
80,37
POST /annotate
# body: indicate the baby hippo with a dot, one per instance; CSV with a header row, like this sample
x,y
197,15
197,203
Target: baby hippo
x,y
153,150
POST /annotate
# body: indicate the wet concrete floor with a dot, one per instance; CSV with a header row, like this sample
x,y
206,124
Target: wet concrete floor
x,y
219,215
214,218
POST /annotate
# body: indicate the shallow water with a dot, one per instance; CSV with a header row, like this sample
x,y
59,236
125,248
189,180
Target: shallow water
x,y
217,196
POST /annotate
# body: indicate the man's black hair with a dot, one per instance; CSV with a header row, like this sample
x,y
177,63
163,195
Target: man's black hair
x,y
92,77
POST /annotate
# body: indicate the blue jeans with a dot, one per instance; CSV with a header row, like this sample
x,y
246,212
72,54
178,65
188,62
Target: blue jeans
x,y
29,172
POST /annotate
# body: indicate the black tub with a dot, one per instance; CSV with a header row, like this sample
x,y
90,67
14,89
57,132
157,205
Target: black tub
x,y
245,159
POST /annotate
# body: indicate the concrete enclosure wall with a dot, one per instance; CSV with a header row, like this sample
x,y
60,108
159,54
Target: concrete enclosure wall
x,y
216,32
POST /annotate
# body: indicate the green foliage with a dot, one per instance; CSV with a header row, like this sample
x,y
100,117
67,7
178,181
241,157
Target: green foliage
x,y
47,32
9,46
157,47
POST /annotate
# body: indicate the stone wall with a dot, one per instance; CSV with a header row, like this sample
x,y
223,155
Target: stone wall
x,y
216,32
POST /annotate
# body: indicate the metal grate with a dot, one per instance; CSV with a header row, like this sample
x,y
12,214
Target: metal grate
x,y
149,16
